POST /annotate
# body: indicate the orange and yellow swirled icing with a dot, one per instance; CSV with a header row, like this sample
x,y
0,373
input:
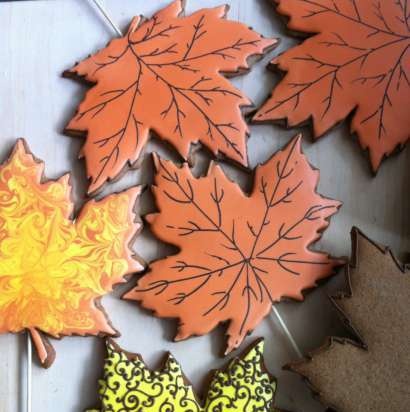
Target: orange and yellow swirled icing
x,y
53,268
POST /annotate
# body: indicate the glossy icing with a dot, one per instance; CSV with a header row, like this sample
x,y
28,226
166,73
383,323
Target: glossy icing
x,y
238,253
359,61
164,75
52,269
129,386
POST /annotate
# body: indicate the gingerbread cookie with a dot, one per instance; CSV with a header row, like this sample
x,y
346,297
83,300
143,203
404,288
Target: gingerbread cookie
x,y
129,386
53,269
370,376
239,253
165,76
356,61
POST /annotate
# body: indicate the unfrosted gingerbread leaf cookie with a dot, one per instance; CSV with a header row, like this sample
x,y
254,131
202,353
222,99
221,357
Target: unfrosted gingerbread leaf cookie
x,y
373,376
165,76
239,253
129,386
54,269
356,60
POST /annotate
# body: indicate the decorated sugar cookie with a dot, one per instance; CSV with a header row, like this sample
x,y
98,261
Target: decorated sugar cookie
x,y
239,253
356,60
53,269
129,386
370,376
166,76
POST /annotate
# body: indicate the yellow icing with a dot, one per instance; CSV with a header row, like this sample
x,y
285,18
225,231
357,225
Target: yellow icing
x,y
128,385
52,268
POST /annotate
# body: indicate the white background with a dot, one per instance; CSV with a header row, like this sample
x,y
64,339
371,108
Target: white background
x,y
38,40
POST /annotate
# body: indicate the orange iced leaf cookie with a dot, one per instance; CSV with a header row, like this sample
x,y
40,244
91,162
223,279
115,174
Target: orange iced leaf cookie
x,y
356,61
239,253
165,76
53,269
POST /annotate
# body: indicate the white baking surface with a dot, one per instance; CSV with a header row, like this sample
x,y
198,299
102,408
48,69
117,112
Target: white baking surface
x,y
38,40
